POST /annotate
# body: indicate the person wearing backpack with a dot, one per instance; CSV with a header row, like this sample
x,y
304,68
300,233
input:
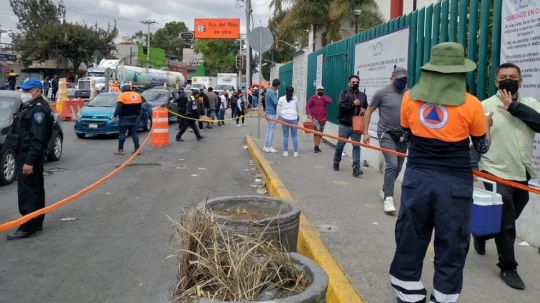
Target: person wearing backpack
x,y
32,131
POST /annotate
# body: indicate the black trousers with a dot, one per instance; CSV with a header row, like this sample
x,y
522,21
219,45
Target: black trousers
x,y
188,123
514,201
31,193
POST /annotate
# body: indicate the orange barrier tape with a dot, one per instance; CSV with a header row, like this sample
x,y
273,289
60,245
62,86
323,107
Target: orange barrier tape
x,y
393,152
15,223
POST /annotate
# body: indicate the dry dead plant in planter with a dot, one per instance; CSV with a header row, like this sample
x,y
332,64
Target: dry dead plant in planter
x,y
215,264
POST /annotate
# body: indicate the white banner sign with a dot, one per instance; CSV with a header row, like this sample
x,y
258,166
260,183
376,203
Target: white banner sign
x,y
318,75
374,61
520,44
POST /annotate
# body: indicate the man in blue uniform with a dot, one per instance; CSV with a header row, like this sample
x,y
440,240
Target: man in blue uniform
x,y
33,127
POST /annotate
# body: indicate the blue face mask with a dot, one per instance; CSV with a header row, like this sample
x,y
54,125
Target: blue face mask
x,y
400,84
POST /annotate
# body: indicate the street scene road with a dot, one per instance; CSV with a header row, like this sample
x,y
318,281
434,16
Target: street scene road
x,y
116,247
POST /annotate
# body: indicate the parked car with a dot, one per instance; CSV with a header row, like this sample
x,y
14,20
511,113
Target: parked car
x,y
159,96
96,117
10,102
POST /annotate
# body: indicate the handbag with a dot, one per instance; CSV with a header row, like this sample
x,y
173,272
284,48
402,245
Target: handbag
x,y
358,123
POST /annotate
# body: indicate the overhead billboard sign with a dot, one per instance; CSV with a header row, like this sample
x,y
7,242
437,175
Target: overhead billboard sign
x,y
217,28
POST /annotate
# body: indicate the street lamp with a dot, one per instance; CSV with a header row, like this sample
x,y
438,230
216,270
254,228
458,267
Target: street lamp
x,y
288,44
357,13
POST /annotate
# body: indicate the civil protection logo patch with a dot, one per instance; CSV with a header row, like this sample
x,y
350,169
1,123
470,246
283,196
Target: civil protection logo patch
x,y
38,117
434,116
133,97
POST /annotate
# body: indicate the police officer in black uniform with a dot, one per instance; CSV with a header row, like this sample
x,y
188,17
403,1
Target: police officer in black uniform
x,y
32,127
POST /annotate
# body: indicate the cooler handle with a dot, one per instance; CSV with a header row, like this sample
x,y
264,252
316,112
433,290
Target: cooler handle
x,y
493,184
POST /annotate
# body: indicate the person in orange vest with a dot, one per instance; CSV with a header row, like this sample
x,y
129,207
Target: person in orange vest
x,y
128,111
440,119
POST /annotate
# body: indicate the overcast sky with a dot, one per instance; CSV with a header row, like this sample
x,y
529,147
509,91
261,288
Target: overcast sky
x,y
128,13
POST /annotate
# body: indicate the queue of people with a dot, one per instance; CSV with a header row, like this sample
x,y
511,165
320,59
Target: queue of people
x,y
439,125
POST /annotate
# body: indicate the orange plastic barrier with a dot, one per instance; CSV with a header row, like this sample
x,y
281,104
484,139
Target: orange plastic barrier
x,y
15,223
160,132
393,152
71,108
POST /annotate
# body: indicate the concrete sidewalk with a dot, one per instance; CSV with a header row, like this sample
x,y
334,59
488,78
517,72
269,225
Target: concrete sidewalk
x,y
348,213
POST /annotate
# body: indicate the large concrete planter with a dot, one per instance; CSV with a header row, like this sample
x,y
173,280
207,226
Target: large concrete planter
x,y
315,293
275,219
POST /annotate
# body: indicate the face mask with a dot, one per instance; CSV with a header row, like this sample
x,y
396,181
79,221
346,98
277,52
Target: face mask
x,y
354,86
320,93
509,85
26,97
400,84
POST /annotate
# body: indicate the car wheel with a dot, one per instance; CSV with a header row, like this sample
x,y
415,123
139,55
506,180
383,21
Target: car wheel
x,y
147,124
80,136
55,153
7,166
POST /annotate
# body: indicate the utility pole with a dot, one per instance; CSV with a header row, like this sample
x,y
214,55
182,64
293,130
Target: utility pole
x,y
148,23
248,47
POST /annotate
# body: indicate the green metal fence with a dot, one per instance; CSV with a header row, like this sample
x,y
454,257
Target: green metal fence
x,y
285,77
448,20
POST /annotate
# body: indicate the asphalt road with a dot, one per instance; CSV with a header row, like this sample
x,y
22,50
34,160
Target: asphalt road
x,y
116,250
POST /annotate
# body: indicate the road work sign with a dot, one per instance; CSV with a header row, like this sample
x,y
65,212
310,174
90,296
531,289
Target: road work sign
x,y
217,28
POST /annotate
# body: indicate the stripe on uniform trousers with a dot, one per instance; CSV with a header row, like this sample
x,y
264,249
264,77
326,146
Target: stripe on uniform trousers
x,y
408,291
439,297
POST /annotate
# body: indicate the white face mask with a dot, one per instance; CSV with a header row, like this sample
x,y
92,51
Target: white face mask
x,y
26,97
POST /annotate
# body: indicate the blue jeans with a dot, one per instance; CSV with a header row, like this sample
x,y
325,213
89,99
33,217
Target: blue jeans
x,y
294,134
128,125
346,133
270,131
221,115
393,163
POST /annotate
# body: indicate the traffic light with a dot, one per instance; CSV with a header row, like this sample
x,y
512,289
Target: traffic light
x,y
239,62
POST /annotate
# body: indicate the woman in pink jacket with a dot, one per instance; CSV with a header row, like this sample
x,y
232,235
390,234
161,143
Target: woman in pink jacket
x,y
316,111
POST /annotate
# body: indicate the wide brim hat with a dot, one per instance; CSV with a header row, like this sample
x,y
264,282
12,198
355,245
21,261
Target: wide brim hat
x,y
449,58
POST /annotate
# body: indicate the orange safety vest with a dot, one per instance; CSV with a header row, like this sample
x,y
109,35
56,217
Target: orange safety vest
x,y
128,98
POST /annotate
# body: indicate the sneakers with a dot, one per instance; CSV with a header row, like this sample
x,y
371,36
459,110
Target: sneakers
x,y
296,154
389,207
265,149
272,150
179,139
119,152
512,279
336,166
285,154
316,149
479,246
357,172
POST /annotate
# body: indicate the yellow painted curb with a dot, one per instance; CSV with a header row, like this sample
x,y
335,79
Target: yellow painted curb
x,y
340,288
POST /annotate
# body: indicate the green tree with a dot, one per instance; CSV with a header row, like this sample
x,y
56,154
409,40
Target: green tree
x,y
219,55
326,15
43,34
139,38
168,38
38,20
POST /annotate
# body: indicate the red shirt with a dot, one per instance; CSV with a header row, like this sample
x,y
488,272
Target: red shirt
x,y
316,107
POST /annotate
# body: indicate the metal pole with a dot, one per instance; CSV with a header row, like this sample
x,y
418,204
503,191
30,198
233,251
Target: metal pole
x,y
260,88
148,23
248,48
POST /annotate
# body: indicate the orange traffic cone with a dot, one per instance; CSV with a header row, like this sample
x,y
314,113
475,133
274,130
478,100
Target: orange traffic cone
x,y
160,133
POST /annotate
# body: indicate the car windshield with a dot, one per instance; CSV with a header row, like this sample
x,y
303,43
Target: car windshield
x,y
6,110
104,100
156,96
